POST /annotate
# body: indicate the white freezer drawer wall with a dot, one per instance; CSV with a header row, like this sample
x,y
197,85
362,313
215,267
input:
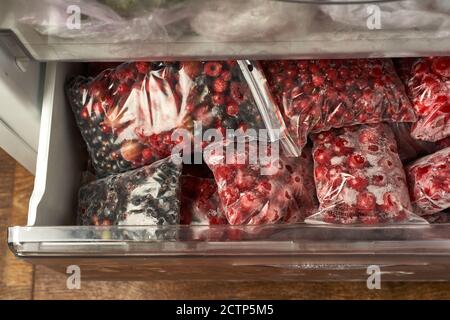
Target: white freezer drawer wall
x,y
20,111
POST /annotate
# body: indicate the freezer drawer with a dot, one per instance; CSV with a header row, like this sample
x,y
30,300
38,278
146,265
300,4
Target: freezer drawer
x,y
208,29
283,252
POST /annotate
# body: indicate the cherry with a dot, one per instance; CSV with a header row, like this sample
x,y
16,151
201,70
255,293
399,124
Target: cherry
x,y
365,202
356,161
322,156
357,183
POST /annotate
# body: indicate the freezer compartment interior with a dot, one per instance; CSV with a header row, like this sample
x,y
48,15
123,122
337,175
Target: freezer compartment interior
x,y
61,30
284,251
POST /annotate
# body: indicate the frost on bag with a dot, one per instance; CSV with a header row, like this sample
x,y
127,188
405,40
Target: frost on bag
x,y
429,182
127,115
429,90
145,196
236,20
257,185
200,204
359,177
116,21
395,15
317,95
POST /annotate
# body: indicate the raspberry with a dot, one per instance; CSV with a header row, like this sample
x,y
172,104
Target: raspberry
x,y
212,69
220,85
232,108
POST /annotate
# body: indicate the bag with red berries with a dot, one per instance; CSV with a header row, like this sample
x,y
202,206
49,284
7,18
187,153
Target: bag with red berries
x,y
200,204
359,177
144,196
257,184
318,95
429,182
128,115
429,89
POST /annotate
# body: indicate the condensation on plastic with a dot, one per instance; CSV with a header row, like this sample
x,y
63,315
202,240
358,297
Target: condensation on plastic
x,y
127,115
429,182
429,89
277,189
200,203
394,15
359,177
144,196
317,95
236,20
116,21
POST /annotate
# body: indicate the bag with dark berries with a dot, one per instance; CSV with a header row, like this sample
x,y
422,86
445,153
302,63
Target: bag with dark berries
x,y
200,204
318,95
259,185
429,182
144,196
428,86
359,177
127,115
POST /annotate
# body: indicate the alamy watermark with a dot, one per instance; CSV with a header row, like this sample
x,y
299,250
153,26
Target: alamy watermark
x,y
374,279
74,279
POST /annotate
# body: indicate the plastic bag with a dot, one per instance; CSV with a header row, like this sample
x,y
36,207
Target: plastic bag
x,y
261,190
359,177
408,147
116,21
127,115
395,15
429,182
440,217
200,204
145,196
429,90
236,20
317,95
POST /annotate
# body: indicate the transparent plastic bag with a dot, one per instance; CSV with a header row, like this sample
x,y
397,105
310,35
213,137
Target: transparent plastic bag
x,y
394,15
200,204
440,217
408,147
236,20
317,95
261,189
115,20
145,196
359,177
429,182
429,89
127,115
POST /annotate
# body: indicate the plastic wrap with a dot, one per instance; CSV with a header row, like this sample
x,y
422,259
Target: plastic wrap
x,y
393,15
359,177
429,182
440,217
317,95
145,196
200,204
272,189
409,148
115,20
236,20
127,115
429,90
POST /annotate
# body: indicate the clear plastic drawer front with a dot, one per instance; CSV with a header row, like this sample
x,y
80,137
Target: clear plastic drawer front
x,y
117,30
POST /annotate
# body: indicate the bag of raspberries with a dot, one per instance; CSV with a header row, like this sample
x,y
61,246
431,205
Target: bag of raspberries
x,y
127,114
255,189
429,180
428,84
318,95
359,177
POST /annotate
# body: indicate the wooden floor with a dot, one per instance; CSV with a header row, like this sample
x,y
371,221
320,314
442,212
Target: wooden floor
x,y
19,280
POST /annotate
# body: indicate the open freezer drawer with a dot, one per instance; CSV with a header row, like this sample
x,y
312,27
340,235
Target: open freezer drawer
x,y
302,252
206,29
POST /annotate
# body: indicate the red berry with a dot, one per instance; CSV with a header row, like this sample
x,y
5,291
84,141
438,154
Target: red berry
x,y
84,114
220,85
224,173
131,150
358,183
232,108
365,202
191,68
237,92
441,66
123,89
379,180
230,195
142,67
320,173
226,75
322,156
356,161
218,99
212,69
147,154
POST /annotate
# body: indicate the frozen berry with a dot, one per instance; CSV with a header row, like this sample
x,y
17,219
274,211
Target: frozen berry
x,y
232,108
213,69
